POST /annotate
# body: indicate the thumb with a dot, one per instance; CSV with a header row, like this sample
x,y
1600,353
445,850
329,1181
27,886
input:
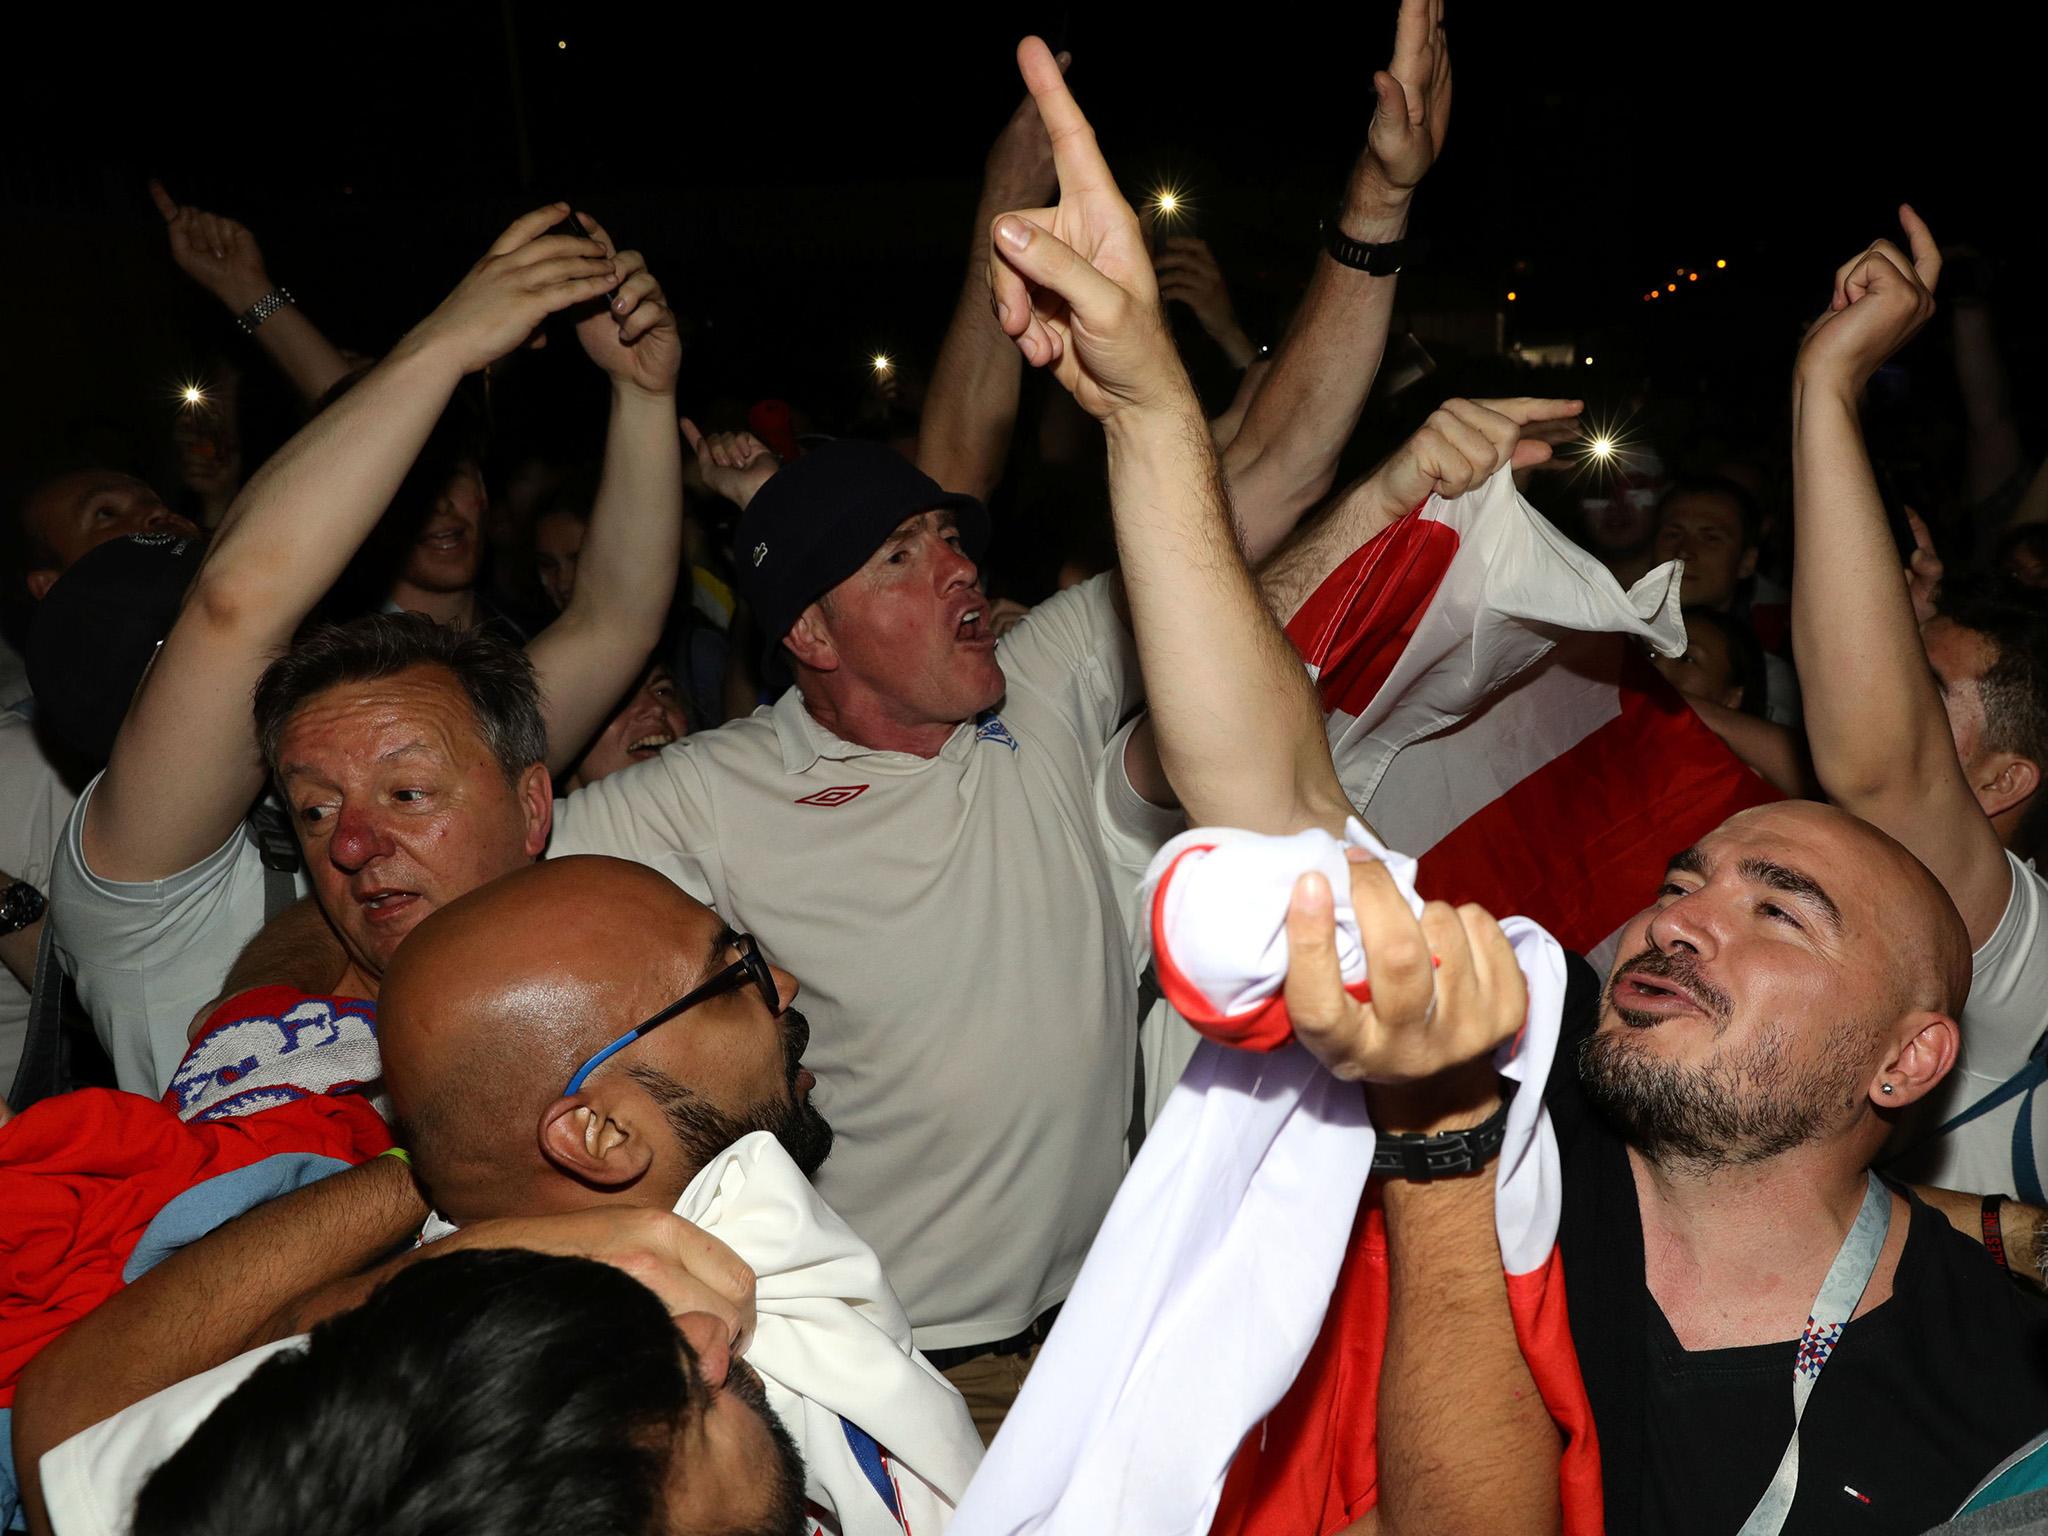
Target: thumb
x,y
1314,987
1042,258
690,433
1529,452
165,203
1392,107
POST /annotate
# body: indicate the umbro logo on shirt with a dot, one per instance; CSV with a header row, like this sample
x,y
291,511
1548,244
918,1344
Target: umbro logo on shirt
x,y
838,794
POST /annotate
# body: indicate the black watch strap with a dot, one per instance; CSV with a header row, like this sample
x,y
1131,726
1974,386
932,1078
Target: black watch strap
x,y
1406,1155
1382,260
20,905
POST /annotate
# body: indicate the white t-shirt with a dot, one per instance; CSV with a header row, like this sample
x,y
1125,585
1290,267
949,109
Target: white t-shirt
x,y
956,934
146,955
33,804
90,1482
2006,1015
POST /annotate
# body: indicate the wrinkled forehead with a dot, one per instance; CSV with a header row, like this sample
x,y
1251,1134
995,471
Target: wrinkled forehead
x,y
1798,842
420,710
70,494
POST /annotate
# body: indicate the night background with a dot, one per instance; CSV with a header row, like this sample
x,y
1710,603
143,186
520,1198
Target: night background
x,y
802,182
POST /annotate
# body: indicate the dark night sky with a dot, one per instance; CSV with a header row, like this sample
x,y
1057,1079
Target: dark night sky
x,y
802,180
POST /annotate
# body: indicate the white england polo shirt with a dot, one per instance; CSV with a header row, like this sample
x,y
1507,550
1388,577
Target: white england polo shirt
x,y
961,955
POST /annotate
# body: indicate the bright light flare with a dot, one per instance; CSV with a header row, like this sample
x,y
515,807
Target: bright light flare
x,y
1605,450
192,395
882,362
1167,201
1720,264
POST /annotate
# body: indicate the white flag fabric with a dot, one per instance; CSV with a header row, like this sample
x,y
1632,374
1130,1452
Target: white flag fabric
x,y
1208,1282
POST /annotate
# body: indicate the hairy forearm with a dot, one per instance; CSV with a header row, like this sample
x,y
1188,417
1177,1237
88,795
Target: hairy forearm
x,y
970,408
1238,728
626,575
1282,459
1466,1443
1304,561
208,1303
2022,1228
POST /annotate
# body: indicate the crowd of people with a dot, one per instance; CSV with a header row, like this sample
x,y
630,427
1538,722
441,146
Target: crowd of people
x,y
686,992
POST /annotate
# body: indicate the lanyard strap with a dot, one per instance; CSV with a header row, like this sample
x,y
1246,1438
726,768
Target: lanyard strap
x,y
1855,1262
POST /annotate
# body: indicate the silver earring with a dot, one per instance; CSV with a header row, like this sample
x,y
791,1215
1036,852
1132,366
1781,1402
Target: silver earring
x,y
1887,1088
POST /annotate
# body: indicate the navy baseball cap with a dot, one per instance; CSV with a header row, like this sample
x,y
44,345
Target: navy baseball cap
x,y
818,519
96,629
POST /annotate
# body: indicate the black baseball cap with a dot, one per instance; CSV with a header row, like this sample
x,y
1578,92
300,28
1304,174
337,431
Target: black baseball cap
x,y
818,519
97,628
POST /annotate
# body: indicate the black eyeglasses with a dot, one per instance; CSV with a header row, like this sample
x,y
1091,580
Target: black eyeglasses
x,y
751,966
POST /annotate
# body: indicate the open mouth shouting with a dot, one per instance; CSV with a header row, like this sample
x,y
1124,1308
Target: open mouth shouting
x,y
385,905
971,628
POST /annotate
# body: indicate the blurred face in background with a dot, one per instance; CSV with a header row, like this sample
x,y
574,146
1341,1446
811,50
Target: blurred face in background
x,y
651,718
1706,670
1704,529
557,541
76,513
448,551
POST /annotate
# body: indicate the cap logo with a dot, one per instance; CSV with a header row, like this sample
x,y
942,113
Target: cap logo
x,y
760,554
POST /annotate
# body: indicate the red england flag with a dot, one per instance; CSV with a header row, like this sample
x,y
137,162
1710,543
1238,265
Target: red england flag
x,y
1492,712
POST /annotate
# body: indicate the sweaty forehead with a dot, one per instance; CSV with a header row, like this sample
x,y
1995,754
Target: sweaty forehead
x,y
382,715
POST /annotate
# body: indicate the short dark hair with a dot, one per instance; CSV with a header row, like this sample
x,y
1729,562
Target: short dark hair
x,y
1745,655
495,1391
1746,506
2014,688
494,674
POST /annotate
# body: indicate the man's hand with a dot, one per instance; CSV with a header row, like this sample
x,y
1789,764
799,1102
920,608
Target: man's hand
x,y
215,252
524,277
1188,273
1020,171
1413,111
1881,299
1464,443
1072,284
730,464
635,340
688,1268
1427,1019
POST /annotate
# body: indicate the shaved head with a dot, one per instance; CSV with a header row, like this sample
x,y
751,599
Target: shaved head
x,y
497,998
1925,943
1795,981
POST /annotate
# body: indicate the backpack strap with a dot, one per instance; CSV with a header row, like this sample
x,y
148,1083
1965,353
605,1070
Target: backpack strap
x,y
45,1067
271,832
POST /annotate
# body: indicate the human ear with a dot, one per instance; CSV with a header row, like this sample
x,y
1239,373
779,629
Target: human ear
x,y
581,1137
536,791
1923,1058
810,640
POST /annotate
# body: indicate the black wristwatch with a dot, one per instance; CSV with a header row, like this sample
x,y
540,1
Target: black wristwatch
x,y
1407,1155
1382,260
20,905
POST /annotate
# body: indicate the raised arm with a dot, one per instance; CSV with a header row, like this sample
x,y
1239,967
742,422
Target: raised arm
x,y
222,257
1881,740
970,407
1466,1443
1238,728
1458,448
590,655
1284,456
283,543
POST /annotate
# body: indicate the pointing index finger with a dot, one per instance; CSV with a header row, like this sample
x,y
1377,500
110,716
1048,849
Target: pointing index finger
x,y
1075,155
527,227
1926,254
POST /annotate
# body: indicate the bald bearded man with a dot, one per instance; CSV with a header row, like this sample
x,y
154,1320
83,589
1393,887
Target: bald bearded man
x,y
581,1032
1792,988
